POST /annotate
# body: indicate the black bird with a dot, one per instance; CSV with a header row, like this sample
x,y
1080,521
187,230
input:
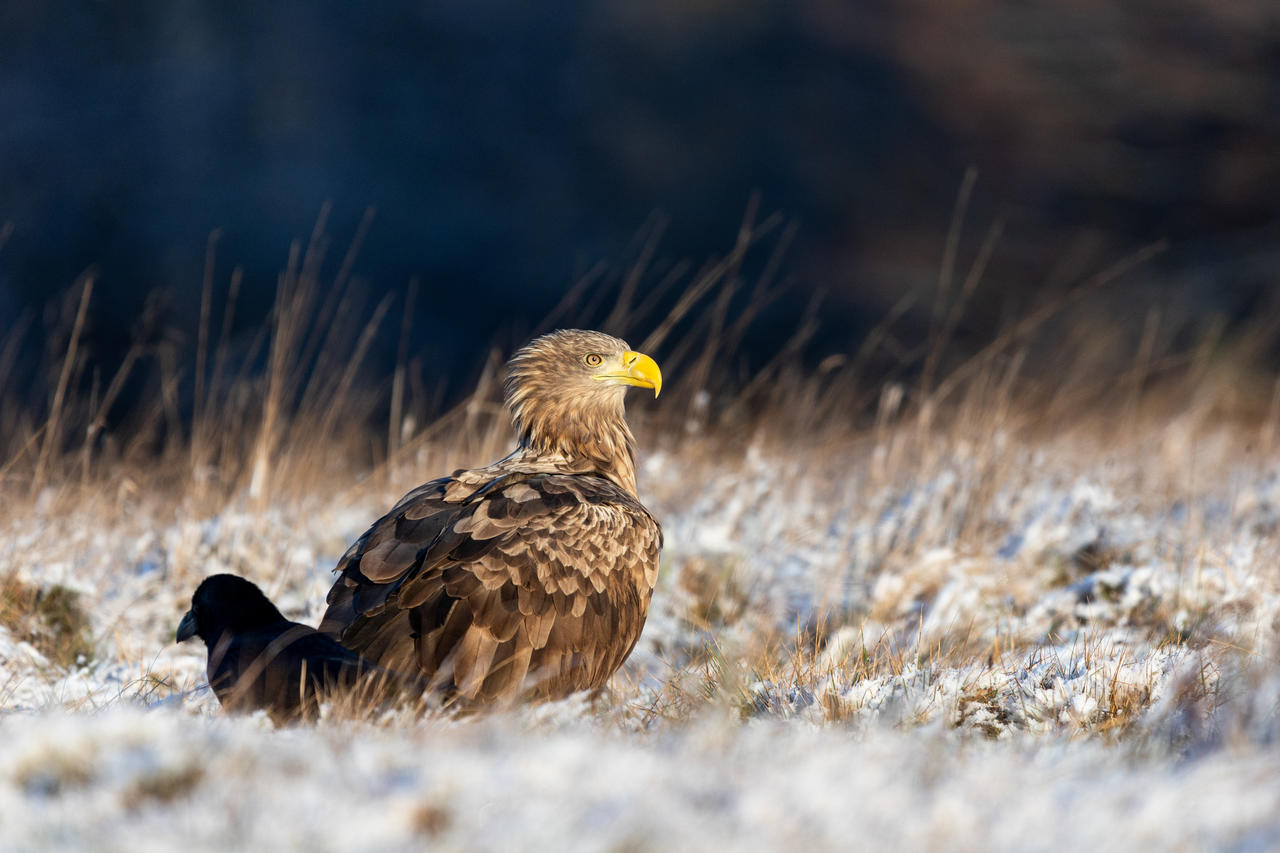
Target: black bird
x,y
259,659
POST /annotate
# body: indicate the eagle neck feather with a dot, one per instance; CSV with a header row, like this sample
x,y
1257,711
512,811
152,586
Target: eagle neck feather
x,y
580,440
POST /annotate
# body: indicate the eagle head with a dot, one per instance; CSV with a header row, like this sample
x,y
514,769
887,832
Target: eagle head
x,y
565,390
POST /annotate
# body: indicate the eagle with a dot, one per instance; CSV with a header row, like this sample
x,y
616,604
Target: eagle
x,y
529,579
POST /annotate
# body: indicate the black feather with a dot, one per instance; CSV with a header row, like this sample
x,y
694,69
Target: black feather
x,y
258,659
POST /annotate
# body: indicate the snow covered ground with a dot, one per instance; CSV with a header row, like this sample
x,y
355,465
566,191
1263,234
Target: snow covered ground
x,y
976,643
127,779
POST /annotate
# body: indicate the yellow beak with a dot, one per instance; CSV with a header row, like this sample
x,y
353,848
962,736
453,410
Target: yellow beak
x,y
637,369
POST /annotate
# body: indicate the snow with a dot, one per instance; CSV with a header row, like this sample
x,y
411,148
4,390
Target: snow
x,y
130,779
1052,647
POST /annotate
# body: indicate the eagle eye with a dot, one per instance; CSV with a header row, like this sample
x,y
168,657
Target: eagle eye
x,y
593,359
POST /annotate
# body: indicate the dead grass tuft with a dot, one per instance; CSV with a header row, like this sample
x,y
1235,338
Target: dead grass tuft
x,y
432,819
50,618
163,785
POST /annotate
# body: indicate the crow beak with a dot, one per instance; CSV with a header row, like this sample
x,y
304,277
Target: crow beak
x,y
187,627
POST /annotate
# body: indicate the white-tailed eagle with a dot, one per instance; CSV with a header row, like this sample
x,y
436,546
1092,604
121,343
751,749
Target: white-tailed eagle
x,y
528,579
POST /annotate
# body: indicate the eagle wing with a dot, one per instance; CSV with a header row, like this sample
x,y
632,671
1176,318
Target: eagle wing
x,y
520,585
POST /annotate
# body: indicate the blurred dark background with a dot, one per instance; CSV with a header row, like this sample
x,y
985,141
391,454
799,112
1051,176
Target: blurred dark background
x,y
510,148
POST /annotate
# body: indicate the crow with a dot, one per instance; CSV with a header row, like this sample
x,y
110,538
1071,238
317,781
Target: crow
x,y
258,659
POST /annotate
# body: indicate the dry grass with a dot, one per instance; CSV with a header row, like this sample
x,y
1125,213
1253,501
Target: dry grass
x,y
50,618
897,496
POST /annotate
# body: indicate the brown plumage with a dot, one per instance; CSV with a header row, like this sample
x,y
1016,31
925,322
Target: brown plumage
x,y
530,578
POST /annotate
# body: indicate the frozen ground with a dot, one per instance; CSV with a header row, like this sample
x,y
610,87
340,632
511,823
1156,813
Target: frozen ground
x,y
130,780
976,644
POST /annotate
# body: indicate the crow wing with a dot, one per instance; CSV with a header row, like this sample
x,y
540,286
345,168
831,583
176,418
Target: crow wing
x,y
511,585
284,667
